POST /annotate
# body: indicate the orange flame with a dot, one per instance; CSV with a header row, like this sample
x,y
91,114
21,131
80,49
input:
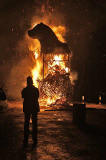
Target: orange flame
x,y
35,47
36,73
59,31
57,64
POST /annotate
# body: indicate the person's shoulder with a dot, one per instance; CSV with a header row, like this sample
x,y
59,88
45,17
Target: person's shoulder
x,y
24,89
33,86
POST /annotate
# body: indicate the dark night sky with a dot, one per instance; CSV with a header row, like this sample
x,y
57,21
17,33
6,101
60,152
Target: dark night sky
x,y
85,22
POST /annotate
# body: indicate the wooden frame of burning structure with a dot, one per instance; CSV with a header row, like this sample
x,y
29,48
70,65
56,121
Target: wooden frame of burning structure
x,y
56,85
45,61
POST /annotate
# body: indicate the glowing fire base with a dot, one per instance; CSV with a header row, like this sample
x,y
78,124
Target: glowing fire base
x,y
55,89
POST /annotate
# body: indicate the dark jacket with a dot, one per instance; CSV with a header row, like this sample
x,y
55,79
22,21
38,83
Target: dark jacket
x,y
2,95
30,103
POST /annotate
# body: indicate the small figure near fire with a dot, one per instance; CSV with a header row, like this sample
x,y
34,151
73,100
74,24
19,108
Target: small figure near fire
x,y
30,94
2,95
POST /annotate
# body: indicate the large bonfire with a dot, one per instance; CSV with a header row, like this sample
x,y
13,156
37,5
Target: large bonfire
x,y
53,77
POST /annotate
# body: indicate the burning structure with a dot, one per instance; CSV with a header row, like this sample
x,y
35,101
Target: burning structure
x,y
53,63
48,40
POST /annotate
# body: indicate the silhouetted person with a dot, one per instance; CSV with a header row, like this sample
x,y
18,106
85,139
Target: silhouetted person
x,y
30,109
2,95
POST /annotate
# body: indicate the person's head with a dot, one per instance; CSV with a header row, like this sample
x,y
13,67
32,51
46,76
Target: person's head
x,y
29,81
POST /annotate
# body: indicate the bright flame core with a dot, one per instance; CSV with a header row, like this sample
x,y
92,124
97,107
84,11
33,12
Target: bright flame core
x,y
36,74
36,54
57,64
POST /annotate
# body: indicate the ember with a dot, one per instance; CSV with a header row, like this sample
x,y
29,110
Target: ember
x,y
55,87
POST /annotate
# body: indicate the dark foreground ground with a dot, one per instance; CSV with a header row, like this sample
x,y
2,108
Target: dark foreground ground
x,y
58,137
